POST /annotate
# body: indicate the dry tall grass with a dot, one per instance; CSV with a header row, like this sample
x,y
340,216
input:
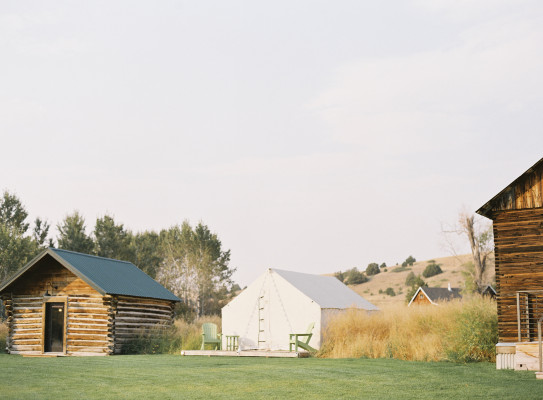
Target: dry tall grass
x,y
457,331
191,332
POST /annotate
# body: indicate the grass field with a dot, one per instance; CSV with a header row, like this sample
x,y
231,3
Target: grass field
x,y
176,377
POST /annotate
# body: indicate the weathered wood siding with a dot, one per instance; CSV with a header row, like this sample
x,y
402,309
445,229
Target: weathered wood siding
x,y
24,320
89,325
37,280
525,192
134,315
518,237
421,299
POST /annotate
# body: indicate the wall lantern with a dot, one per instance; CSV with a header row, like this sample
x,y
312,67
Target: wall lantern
x,y
55,287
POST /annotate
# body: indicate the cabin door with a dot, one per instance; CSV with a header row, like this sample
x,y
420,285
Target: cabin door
x,y
54,328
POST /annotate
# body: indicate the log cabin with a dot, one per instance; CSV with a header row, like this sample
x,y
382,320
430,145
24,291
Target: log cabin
x,y
517,216
68,303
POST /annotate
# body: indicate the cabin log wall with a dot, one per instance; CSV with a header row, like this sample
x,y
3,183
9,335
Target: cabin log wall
x,y
133,315
24,320
89,326
518,238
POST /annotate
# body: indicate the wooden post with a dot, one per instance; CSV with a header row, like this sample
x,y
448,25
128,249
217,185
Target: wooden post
x,y
527,302
518,317
540,347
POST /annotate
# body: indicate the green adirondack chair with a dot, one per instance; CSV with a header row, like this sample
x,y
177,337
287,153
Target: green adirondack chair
x,y
210,336
295,339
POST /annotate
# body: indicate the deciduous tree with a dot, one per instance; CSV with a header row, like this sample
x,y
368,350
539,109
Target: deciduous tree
x,y
195,266
478,233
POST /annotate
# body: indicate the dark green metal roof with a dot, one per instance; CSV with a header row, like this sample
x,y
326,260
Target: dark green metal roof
x,y
106,275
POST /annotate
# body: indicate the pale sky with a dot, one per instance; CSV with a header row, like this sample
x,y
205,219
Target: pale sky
x,y
309,135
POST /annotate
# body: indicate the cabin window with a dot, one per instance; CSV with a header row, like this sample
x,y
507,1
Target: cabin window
x,y
421,296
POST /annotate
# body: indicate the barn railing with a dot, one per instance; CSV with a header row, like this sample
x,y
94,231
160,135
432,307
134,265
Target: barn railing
x,y
529,311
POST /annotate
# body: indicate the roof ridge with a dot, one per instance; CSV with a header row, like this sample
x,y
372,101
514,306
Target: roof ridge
x,y
301,273
437,287
90,255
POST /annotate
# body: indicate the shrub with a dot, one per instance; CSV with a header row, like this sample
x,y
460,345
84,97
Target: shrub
x,y
355,277
410,279
475,334
372,269
3,336
340,275
468,272
431,269
170,340
415,283
409,261
156,340
390,291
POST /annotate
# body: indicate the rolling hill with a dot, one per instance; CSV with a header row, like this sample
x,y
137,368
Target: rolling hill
x,y
394,277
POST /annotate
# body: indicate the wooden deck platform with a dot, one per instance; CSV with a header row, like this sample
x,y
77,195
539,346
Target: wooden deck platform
x,y
45,355
245,353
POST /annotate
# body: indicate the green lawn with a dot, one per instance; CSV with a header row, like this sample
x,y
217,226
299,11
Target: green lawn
x,y
176,377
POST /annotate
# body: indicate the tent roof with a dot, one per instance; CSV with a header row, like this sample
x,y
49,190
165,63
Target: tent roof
x,y
106,275
326,291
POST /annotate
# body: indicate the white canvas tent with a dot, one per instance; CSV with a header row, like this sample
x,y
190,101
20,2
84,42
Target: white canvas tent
x,y
282,302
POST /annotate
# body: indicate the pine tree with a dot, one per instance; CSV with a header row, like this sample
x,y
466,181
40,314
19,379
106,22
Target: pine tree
x,y
72,234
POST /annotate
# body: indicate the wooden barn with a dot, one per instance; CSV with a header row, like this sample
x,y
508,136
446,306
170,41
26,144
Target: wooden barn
x,y
433,295
517,215
68,303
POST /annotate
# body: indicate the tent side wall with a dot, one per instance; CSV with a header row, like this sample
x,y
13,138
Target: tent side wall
x,y
291,312
240,316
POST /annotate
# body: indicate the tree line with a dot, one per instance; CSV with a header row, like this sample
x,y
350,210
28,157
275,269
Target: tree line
x,y
188,260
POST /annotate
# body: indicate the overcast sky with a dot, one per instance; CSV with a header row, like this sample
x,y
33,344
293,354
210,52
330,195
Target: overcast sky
x,y
309,135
